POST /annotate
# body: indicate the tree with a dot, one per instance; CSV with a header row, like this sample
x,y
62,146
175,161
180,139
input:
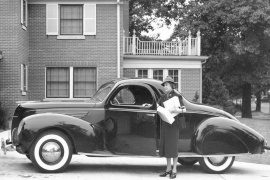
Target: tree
x,y
142,13
235,36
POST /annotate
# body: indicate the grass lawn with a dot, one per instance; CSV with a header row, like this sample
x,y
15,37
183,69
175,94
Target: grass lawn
x,y
261,123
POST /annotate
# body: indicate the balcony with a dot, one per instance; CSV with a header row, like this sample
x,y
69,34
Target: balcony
x,y
188,47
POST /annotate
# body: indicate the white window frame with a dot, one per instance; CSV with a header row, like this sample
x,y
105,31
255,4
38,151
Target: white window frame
x,y
179,78
24,79
24,14
158,70
137,72
165,74
71,85
59,20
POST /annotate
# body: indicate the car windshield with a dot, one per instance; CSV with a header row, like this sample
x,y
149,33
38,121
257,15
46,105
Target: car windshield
x,y
103,91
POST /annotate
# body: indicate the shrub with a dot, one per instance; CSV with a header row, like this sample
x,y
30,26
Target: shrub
x,y
196,97
216,94
3,115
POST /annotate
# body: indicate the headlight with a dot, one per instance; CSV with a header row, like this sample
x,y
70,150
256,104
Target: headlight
x,y
20,126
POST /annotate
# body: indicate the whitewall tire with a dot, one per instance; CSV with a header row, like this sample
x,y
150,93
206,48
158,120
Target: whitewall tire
x,y
217,164
51,151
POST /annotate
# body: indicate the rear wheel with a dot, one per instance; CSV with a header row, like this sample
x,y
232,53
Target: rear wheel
x,y
187,161
217,164
51,151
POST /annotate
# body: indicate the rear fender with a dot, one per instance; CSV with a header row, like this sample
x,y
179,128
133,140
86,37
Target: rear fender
x,y
219,135
83,134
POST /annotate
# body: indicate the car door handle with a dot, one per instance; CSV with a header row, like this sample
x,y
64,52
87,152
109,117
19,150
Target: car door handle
x,y
152,115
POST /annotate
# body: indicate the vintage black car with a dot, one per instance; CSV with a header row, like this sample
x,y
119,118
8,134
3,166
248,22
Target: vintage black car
x,y
121,120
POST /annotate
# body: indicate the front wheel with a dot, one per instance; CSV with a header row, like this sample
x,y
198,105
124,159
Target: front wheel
x,y
51,151
217,164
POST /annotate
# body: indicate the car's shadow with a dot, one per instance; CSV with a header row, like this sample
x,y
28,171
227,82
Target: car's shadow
x,y
142,169
132,168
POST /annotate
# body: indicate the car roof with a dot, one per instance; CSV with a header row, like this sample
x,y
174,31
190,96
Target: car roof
x,y
153,82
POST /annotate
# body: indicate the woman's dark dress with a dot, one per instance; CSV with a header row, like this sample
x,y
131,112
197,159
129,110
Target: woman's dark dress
x,y
168,146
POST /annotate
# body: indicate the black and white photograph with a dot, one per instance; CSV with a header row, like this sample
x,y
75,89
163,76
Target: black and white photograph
x,y
135,89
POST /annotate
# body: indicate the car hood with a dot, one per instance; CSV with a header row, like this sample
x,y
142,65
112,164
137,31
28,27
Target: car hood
x,y
52,104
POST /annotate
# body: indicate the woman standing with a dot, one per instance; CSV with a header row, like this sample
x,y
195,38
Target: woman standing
x,y
169,132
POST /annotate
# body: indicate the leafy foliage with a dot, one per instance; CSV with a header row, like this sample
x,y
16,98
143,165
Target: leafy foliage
x,y
142,13
3,115
217,95
235,36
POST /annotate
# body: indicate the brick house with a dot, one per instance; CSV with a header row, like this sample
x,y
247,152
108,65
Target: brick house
x,y
64,50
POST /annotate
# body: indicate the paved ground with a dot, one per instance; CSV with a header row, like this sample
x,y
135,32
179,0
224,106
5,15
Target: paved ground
x,y
17,166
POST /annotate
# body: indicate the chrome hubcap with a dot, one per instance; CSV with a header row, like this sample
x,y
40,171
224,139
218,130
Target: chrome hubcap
x,y
217,160
51,152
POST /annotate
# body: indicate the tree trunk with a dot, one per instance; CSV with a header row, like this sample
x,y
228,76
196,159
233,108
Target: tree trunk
x,y
258,102
246,101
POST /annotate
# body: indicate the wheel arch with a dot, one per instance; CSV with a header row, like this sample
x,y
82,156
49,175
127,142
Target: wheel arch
x,y
81,133
64,131
218,135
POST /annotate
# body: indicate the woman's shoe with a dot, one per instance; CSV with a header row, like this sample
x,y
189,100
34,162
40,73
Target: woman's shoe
x,y
173,175
166,173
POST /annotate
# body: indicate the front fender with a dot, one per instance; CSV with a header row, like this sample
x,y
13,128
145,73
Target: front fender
x,y
82,133
220,135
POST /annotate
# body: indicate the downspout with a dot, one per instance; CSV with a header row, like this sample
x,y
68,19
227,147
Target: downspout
x,y
118,39
201,80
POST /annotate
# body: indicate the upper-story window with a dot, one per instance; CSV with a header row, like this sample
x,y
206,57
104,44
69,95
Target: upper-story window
x,y
24,13
71,19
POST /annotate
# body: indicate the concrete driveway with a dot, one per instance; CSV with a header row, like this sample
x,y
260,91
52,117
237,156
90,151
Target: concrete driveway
x,y
17,166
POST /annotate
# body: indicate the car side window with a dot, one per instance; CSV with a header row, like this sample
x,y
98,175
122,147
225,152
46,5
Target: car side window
x,y
133,95
124,97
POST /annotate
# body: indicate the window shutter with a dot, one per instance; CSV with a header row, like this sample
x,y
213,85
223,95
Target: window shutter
x,y
52,19
90,19
21,77
21,11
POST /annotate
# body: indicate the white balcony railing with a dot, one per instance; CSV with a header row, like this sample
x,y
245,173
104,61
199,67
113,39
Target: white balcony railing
x,y
190,47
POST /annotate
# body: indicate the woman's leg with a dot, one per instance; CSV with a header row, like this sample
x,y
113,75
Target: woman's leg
x,y
174,170
169,167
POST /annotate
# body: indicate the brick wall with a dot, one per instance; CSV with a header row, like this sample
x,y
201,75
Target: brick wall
x,y
97,51
13,44
129,73
190,82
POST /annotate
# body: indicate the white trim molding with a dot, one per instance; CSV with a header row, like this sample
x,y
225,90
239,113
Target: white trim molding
x,y
73,2
161,64
70,37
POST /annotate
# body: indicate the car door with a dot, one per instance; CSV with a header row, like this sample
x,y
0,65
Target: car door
x,y
131,112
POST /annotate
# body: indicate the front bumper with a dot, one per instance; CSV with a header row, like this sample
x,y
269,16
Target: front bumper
x,y
266,148
6,145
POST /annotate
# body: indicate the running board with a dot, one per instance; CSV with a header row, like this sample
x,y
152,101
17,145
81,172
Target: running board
x,y
191,154
180,154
